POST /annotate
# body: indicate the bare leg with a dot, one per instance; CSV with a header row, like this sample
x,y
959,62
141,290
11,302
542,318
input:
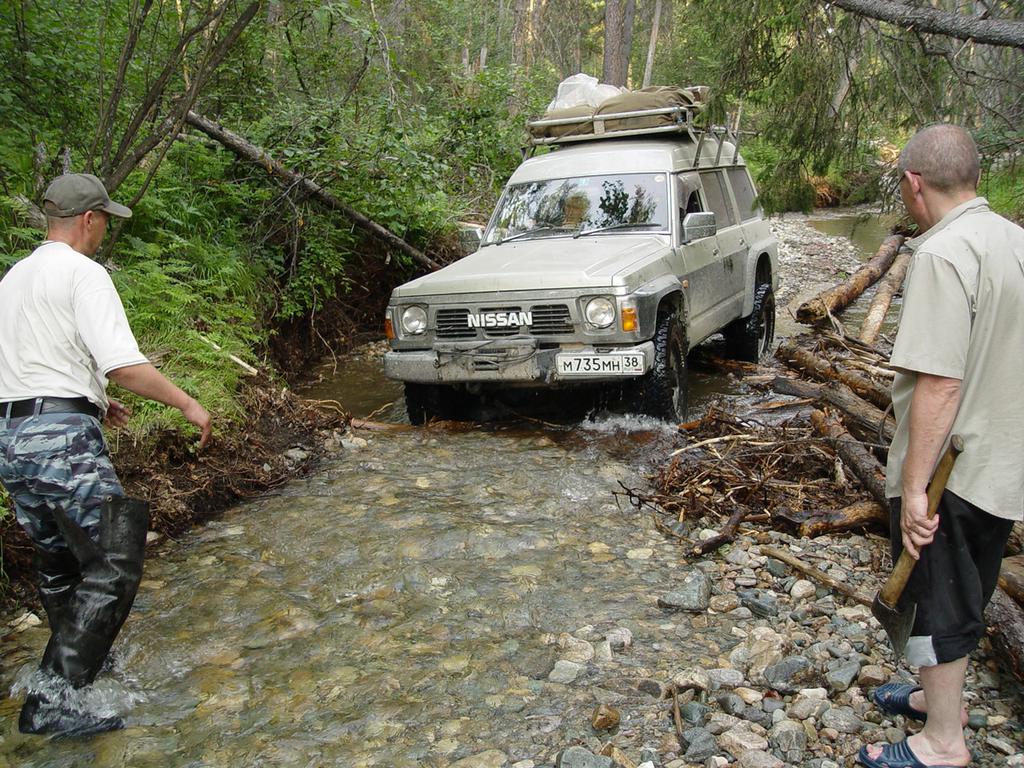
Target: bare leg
x,y
919,702
941,741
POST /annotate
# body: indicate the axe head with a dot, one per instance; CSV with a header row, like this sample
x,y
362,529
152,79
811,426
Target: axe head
x,y
896,623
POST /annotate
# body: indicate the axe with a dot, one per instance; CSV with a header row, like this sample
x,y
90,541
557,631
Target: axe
x,y
896,623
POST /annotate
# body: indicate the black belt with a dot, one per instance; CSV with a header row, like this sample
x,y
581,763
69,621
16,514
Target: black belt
x,y
16,409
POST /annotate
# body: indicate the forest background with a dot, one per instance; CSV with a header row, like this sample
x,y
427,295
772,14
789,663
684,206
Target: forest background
x,y
412,113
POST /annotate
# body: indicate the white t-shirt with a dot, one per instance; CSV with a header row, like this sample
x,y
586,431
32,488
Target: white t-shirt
x,y
62,327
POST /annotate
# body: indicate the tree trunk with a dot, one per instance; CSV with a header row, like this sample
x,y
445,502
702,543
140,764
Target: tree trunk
x,y
520,31
854,455
888,288
949,23
841,296
846,77
613,72
859,411
1005,620
254,154
626,54
1011,580
823,370
651,47
863,514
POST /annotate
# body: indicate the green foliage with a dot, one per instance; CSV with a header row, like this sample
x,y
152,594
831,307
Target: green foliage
x,y
1003,186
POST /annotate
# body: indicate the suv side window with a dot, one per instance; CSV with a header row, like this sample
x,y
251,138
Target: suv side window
x,y
688,194
743,191
718,198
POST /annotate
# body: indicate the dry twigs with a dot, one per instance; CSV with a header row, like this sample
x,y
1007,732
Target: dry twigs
x,y
749,471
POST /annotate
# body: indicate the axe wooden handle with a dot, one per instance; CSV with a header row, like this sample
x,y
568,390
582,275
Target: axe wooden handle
x,y
890,593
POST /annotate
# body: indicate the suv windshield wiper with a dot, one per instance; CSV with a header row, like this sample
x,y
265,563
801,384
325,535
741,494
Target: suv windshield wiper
x,y
620,225
531,231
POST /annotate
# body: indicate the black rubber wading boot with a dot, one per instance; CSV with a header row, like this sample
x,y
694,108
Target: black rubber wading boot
x,y
58,574
111,570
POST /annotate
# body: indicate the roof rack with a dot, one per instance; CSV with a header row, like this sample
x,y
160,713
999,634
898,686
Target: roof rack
x,y
681,118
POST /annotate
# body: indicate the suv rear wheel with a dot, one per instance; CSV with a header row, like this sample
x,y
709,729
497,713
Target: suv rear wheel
x,y
750,338
663,389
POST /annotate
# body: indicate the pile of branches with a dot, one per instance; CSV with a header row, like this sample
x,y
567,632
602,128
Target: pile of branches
x,y
755,472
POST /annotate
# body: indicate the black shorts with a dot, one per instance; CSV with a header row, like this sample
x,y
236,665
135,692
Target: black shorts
x,y
953,581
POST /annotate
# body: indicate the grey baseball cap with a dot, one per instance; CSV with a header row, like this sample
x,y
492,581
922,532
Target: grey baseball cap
x,y
75,193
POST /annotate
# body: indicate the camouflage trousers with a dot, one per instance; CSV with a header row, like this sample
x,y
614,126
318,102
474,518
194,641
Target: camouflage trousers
x,y
56,460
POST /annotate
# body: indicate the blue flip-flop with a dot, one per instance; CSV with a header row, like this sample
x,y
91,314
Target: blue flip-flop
x,y
898,755
894,699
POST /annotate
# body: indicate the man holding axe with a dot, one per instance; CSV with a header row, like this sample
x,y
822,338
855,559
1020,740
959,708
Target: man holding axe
x,y
959,360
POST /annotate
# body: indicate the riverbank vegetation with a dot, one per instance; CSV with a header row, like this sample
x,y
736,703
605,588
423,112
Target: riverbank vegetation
x,y
411,114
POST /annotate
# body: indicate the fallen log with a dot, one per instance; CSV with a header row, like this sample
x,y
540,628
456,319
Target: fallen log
x,y
863,514
825,370
1005,620
809,570
893,281
1011,579
854,455
873,421
249,151
727,535
836,299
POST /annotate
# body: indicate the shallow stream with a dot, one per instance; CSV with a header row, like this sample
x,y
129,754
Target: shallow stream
x,y
400,607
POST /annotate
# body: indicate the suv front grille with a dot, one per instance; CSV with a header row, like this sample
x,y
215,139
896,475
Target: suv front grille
x,y
548,320
454,324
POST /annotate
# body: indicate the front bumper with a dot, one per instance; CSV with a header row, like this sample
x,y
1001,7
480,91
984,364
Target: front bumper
x,y
506,360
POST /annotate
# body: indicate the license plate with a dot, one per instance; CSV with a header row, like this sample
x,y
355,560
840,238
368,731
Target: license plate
x,y
630,364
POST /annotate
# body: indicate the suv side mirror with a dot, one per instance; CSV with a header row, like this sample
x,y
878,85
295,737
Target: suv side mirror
x,y
698,225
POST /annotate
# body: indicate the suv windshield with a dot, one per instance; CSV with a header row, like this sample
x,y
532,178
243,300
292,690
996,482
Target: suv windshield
x,y
553,207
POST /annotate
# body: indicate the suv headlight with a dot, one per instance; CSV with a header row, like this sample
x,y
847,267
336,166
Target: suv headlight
x,y
414,320
600,312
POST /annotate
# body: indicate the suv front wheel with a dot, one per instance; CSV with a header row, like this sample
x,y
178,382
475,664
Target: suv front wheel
x,y
750,338
663,389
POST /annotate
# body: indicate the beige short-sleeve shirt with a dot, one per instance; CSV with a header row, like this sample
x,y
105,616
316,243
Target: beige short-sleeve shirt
x,y
963,318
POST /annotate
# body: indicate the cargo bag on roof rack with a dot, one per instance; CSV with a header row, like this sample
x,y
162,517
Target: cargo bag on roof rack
x,y
654,97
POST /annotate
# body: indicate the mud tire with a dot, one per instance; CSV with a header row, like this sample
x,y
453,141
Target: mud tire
x,y
663,390
751,338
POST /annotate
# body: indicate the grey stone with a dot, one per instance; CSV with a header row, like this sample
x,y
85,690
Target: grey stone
x,y
296,455
724,678
578,757
651,687
842,677
789,738
694,712
805,709
772,704
619,638
757,715
565,672
760,602
788,675
843,719
701,745
754,758
736,741
976,721
777,568
731,704
693,595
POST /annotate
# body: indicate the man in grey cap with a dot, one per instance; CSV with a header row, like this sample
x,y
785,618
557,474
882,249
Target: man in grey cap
x,y
63,334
